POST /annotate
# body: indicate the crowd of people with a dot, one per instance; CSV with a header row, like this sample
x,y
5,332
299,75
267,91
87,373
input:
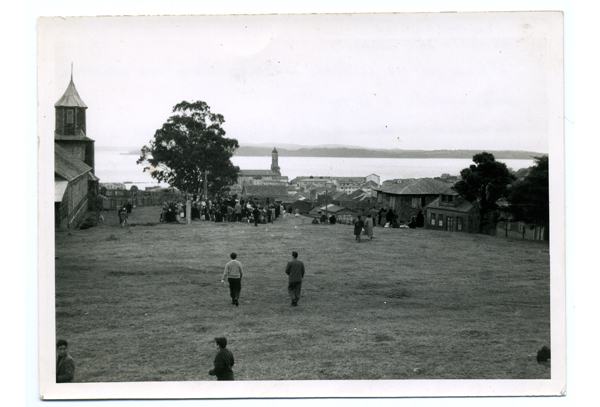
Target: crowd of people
x,y
224,210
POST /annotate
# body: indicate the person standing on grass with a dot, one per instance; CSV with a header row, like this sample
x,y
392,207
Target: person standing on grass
x,y
129,207
256,215
358,226
230,215
122,216
233,273
374,214
390,216
295,271
223,361
65,364
369,226
238,211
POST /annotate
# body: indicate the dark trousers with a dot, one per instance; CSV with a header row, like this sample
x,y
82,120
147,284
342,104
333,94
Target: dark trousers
x,y
235,286
294,290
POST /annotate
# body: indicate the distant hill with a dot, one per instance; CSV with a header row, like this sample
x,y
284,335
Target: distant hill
x,y
356,152
251,151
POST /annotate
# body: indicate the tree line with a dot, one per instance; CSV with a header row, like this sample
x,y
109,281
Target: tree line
x,y
499,195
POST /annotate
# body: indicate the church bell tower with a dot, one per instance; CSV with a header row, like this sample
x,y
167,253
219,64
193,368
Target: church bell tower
x,y
69,129
274,162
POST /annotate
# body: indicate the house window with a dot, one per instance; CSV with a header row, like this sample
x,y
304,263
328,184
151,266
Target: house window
x,y
449,223
70,116
415,202
433,219
440,220
392,202
459,223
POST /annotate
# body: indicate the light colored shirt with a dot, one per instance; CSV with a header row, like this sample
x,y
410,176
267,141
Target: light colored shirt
x,y
233,269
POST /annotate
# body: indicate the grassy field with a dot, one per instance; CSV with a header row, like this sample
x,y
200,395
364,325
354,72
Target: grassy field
x,y
144,303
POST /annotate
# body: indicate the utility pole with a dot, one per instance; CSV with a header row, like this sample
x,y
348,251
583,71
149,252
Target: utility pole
x,y
205,186
326,205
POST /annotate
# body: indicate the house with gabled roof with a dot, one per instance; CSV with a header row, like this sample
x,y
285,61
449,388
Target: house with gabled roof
x,y
451,212
410,197
71,178
343,214
303,205
263,194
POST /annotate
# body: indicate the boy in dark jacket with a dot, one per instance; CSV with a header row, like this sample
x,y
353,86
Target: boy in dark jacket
x,y
223,361
65,365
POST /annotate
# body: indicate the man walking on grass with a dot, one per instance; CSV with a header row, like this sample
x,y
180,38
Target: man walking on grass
x,y
295,269
233,273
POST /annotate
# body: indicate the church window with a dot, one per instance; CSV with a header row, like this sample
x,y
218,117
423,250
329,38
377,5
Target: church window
x,y
70,116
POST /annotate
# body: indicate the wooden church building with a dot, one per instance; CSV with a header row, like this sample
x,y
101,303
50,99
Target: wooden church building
x,y
74,179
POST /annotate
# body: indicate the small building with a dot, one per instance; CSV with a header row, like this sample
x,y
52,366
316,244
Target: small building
x,y
304,206
112,185
408,198
71,184
264,194
451,212
344,215
314,182
260,177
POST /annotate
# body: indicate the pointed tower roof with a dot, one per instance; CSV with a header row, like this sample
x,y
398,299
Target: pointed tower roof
x,y
70,98
274,150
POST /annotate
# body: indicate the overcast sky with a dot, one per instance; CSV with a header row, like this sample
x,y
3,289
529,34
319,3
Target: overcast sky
x,y
410,81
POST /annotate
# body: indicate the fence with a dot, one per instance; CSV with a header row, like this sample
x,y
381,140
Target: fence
x,y
117,198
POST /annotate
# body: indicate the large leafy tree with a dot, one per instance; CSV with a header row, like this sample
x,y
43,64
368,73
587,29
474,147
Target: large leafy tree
x,y
190,151
483,184
530,197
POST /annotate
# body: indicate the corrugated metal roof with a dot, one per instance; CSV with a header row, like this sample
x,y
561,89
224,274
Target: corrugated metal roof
x,y
356,193
422,186
80,137
464,206
249,173
68,166
265,190
353,180
332,208
70,98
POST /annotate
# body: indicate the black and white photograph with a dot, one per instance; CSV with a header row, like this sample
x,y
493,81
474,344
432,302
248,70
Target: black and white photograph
x,y
301,205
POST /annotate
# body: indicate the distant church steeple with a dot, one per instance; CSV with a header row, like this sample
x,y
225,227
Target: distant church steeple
x,y
274,162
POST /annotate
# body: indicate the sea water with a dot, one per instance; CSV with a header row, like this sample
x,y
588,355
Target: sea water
x,y
117,167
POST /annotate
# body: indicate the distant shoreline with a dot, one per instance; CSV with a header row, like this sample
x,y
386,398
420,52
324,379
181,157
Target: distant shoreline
x,y
247,151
